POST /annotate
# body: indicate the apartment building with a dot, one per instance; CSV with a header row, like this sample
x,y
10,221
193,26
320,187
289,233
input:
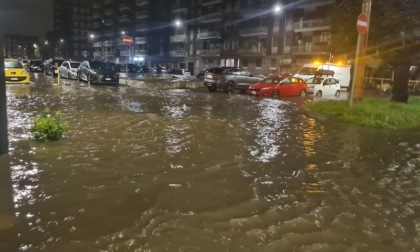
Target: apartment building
x,y
198,34
20,46
72,25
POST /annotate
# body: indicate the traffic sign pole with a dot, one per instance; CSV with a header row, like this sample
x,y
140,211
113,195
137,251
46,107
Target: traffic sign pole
x,y
361,51
127,40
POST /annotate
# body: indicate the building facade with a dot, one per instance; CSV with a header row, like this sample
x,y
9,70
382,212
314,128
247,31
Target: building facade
x,y
198,34
72,27
20,46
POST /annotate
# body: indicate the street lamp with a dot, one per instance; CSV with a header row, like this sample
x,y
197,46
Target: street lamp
x,y
46,42
178,23
277,8
92,36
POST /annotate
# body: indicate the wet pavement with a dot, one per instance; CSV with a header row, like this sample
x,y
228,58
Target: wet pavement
x,y
189,170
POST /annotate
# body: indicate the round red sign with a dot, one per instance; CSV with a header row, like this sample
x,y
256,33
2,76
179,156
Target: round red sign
x,y
362,23
127,40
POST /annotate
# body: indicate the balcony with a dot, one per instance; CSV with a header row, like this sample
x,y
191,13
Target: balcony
x,y
124,7
209,52
109,54
109,33
179,8
254,31
97,44
211,18
124,19
177,53
109,22
253,51
140,52
140,40
142,14
141,28
96,25
97,54
96,6
311,25
96,15
124,52
178,38
210,2
108,1
209,35
109,12
108,43
309,49
142,2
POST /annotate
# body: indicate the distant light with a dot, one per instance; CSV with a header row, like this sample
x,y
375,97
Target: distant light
x,y
35,46
316,63
178,23
46,42
61,40
92,36
123,32
141,59
277,8
138,59
19,46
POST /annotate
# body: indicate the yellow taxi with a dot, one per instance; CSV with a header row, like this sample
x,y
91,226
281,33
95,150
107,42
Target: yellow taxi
x,y
15,72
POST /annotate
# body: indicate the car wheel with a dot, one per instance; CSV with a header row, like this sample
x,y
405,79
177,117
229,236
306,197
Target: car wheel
x,y
211,89
319,94
88,79
337,93
275,94
68,76
78,77
303,93
229,87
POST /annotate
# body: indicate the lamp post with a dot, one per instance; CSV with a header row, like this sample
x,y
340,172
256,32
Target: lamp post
x,y
277,10
178,25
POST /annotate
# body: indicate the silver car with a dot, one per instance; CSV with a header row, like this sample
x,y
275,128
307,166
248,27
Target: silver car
x,y
68,69
229,79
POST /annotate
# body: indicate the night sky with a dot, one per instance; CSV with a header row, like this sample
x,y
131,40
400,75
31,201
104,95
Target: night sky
x,y
27,17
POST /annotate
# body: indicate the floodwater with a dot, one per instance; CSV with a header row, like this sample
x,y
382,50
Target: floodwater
x,y
188,170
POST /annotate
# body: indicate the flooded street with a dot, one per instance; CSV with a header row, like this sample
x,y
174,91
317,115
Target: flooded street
x,y
189,170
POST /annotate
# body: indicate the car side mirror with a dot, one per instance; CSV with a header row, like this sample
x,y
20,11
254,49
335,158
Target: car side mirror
x,y
68,67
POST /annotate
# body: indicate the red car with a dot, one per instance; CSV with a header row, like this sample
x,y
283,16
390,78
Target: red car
x,y
276,86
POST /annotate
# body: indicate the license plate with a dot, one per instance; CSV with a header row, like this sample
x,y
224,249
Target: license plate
x,y
254,92
209,76
107,78
14,78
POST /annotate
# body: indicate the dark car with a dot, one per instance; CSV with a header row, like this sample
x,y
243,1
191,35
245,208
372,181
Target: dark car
x,y
93,71
51,66
229,79
201,74
36,66
131,68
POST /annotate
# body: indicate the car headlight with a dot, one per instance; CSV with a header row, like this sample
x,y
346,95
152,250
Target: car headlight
x,y
265,88
25,72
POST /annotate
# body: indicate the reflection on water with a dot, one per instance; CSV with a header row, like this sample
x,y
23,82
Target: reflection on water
x,y
182,170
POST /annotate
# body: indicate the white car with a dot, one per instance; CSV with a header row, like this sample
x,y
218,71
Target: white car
x,y
323,86
68,69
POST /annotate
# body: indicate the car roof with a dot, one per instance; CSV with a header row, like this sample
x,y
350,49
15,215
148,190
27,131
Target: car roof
x,y
10,59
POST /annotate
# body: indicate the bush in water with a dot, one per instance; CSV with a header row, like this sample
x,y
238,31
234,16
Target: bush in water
x,y
47,126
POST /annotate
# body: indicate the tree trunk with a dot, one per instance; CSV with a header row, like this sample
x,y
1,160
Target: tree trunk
x,y
402,77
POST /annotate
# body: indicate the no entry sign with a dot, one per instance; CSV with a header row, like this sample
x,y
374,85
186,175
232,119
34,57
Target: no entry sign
x,y
362,23
127,40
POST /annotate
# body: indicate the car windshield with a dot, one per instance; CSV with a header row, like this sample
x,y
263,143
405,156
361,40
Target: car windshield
x,y
13,64
216,70
74,64
316,80
36,63
308,71
271,80
98,65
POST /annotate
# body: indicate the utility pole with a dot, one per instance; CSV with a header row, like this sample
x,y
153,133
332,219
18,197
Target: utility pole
x,y
4,142
361,51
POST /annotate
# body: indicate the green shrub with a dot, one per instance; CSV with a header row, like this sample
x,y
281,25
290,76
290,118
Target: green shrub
x,y
47,126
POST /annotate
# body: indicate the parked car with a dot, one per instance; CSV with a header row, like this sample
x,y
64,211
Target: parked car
x,y
229,79
321,86
181,74
36,66
132,68
15,72
93,71
68,69
25,63
276,86
50,66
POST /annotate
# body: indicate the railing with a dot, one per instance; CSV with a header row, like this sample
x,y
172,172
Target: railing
x,y
209,52
209,35
212,17
140,40
210,2
96,15
141,27
109,1
309,49
141,2
178,38
109,22
140,52
385,84
96,6
97,54
124,19
124,7
109,11
252,51
142,14
108,43
311,24
177,53
254,31
109,53
124,52
97,44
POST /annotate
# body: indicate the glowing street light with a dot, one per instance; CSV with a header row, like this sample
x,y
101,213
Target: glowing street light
x,y
123,32
61,40
92,36
46,42
178,23
277,8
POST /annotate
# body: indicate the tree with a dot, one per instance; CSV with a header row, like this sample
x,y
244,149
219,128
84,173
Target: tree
x,y
391,29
